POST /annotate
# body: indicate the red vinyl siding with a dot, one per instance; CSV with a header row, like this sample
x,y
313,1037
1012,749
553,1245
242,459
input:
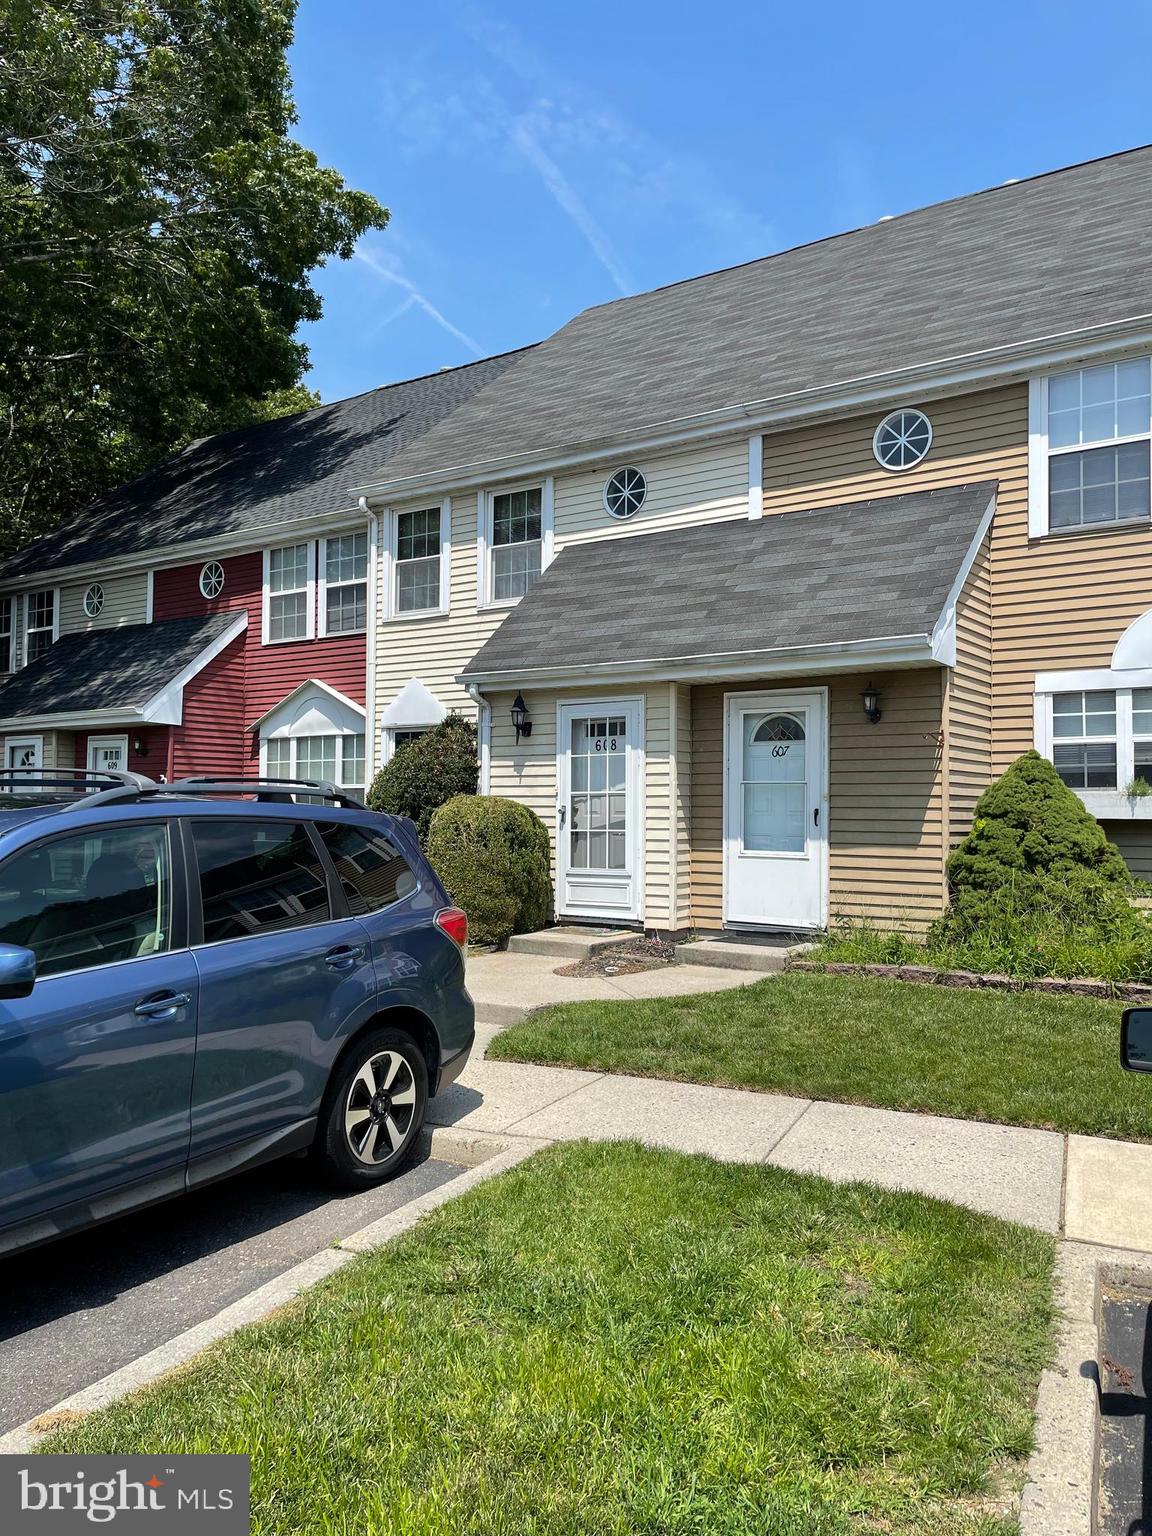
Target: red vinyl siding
x,y
249,678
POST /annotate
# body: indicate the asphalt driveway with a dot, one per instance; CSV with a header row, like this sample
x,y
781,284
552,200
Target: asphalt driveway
x,y
79,1308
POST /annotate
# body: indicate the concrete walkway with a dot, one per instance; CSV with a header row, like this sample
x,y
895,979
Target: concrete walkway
x,y
1084,1188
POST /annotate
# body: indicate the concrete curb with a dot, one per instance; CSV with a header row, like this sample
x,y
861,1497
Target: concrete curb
x,y
1059,1498
484,1155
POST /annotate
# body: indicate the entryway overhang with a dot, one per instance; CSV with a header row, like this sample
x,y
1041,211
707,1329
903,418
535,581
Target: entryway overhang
x,y
857,586
131,674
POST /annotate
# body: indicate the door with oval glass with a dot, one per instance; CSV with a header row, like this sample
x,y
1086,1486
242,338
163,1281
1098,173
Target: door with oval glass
x,y
598,810
775,815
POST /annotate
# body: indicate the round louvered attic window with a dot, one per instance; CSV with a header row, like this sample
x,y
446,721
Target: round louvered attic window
x,y
211,579
902,439
94,600
625,492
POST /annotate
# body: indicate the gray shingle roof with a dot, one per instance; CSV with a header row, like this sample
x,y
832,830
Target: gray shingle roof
x,y
115,668
1016,263
298,466
860,571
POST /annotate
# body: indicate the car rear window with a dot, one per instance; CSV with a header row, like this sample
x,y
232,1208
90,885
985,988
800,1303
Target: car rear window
x,y
257,877
372,870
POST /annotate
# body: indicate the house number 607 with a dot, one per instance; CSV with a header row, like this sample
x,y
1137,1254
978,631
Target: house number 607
x,y
780,750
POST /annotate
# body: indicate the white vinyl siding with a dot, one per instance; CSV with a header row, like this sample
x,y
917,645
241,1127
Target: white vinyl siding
x,y
125,602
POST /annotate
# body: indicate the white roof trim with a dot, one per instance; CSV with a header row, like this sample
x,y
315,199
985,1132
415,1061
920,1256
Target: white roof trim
x,y
944,633
310,685
414,706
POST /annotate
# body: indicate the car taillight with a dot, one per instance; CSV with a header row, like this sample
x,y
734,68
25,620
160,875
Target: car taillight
x,y
454,923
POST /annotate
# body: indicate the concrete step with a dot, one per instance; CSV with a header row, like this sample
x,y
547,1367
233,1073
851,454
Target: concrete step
x,y
501,1014
733,956
567,943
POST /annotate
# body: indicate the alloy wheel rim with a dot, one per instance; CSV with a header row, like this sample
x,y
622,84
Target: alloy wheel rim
x,y
380,1108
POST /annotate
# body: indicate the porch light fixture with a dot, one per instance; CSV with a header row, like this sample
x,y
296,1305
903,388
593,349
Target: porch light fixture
x,y
871,697
139,746
520,717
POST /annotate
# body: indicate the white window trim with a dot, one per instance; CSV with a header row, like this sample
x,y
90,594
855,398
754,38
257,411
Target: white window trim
x,y
484,503
1039,454
1107,804
24,607
310,588
390,612
388,738
339,734
322,629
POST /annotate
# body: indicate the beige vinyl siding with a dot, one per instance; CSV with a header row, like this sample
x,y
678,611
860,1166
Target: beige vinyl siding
x,y
526,771
886,839
969,703
436,647
125,602
704,483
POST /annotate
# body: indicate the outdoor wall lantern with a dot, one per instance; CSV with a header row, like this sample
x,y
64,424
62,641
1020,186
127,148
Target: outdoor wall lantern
x,y
520,717
871,697
140,746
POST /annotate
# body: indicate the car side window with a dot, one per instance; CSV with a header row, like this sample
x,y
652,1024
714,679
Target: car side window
x,y
257,877
90,899
372,870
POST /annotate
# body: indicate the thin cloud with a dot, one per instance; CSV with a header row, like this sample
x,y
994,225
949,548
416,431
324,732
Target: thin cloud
x,y
570,201
414,296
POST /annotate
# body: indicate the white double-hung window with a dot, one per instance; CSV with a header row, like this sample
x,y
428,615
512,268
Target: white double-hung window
x,y
1090,441
1099,739
419,562
40,619
516,541
344,605
289,588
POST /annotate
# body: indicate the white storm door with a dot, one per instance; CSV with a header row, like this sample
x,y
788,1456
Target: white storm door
x,y
775,833
107,754
598,831
24,752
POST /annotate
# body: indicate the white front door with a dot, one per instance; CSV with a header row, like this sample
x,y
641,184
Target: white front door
x,y
107,754
598,814
775,813
24,752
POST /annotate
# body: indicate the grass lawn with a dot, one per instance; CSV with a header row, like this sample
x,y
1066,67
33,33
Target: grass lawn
x,y
1020,1058
611,1340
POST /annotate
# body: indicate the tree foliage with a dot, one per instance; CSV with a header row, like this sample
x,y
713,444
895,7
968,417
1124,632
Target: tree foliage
x,y
428,771
493,857
158,228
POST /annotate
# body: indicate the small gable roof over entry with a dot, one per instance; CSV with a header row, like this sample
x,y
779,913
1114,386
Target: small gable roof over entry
x,y
876,575
132,672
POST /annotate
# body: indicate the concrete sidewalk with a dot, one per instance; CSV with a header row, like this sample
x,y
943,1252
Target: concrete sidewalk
x,y
1084,1188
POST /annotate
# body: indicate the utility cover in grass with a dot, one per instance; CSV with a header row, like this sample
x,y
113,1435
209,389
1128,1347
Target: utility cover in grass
x,y
612,1340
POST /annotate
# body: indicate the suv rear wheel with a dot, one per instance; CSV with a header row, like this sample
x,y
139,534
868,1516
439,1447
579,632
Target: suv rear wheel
x,y
373,1110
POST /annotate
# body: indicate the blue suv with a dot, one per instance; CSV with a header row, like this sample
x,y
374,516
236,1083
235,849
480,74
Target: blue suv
x,y
192,983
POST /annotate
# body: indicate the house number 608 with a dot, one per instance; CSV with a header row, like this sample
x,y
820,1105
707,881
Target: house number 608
x,y
605,746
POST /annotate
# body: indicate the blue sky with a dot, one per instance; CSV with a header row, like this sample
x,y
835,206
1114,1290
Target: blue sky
x,y
540,158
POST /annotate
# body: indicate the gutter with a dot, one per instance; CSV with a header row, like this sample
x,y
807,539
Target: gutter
x,y
484,734
941,376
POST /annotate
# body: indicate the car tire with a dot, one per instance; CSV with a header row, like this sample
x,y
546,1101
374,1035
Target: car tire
x,y
373,1110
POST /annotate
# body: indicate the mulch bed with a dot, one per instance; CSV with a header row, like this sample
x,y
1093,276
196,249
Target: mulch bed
x,y
623,959
1086,986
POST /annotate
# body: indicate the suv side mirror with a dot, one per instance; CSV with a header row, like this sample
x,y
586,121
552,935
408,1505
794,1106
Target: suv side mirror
x,y
17,971
1136,1040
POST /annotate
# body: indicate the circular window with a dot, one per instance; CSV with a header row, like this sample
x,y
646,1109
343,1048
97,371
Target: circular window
x,y
625,492
211,579
902,439
94,600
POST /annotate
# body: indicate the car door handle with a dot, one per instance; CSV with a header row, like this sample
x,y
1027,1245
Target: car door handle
x,y
164,1006
344,957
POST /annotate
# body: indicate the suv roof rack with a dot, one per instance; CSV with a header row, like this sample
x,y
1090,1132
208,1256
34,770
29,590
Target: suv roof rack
x,y
102,780
281,791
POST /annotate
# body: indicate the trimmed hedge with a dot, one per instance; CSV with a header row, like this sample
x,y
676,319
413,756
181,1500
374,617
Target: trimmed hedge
x,y
426,773
493,856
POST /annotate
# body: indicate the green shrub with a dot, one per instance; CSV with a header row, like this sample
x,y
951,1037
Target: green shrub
x,y
493,856
1029,825
427,772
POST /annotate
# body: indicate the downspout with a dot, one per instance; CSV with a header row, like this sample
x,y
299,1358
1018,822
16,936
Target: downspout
x,y
372,743
484,735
